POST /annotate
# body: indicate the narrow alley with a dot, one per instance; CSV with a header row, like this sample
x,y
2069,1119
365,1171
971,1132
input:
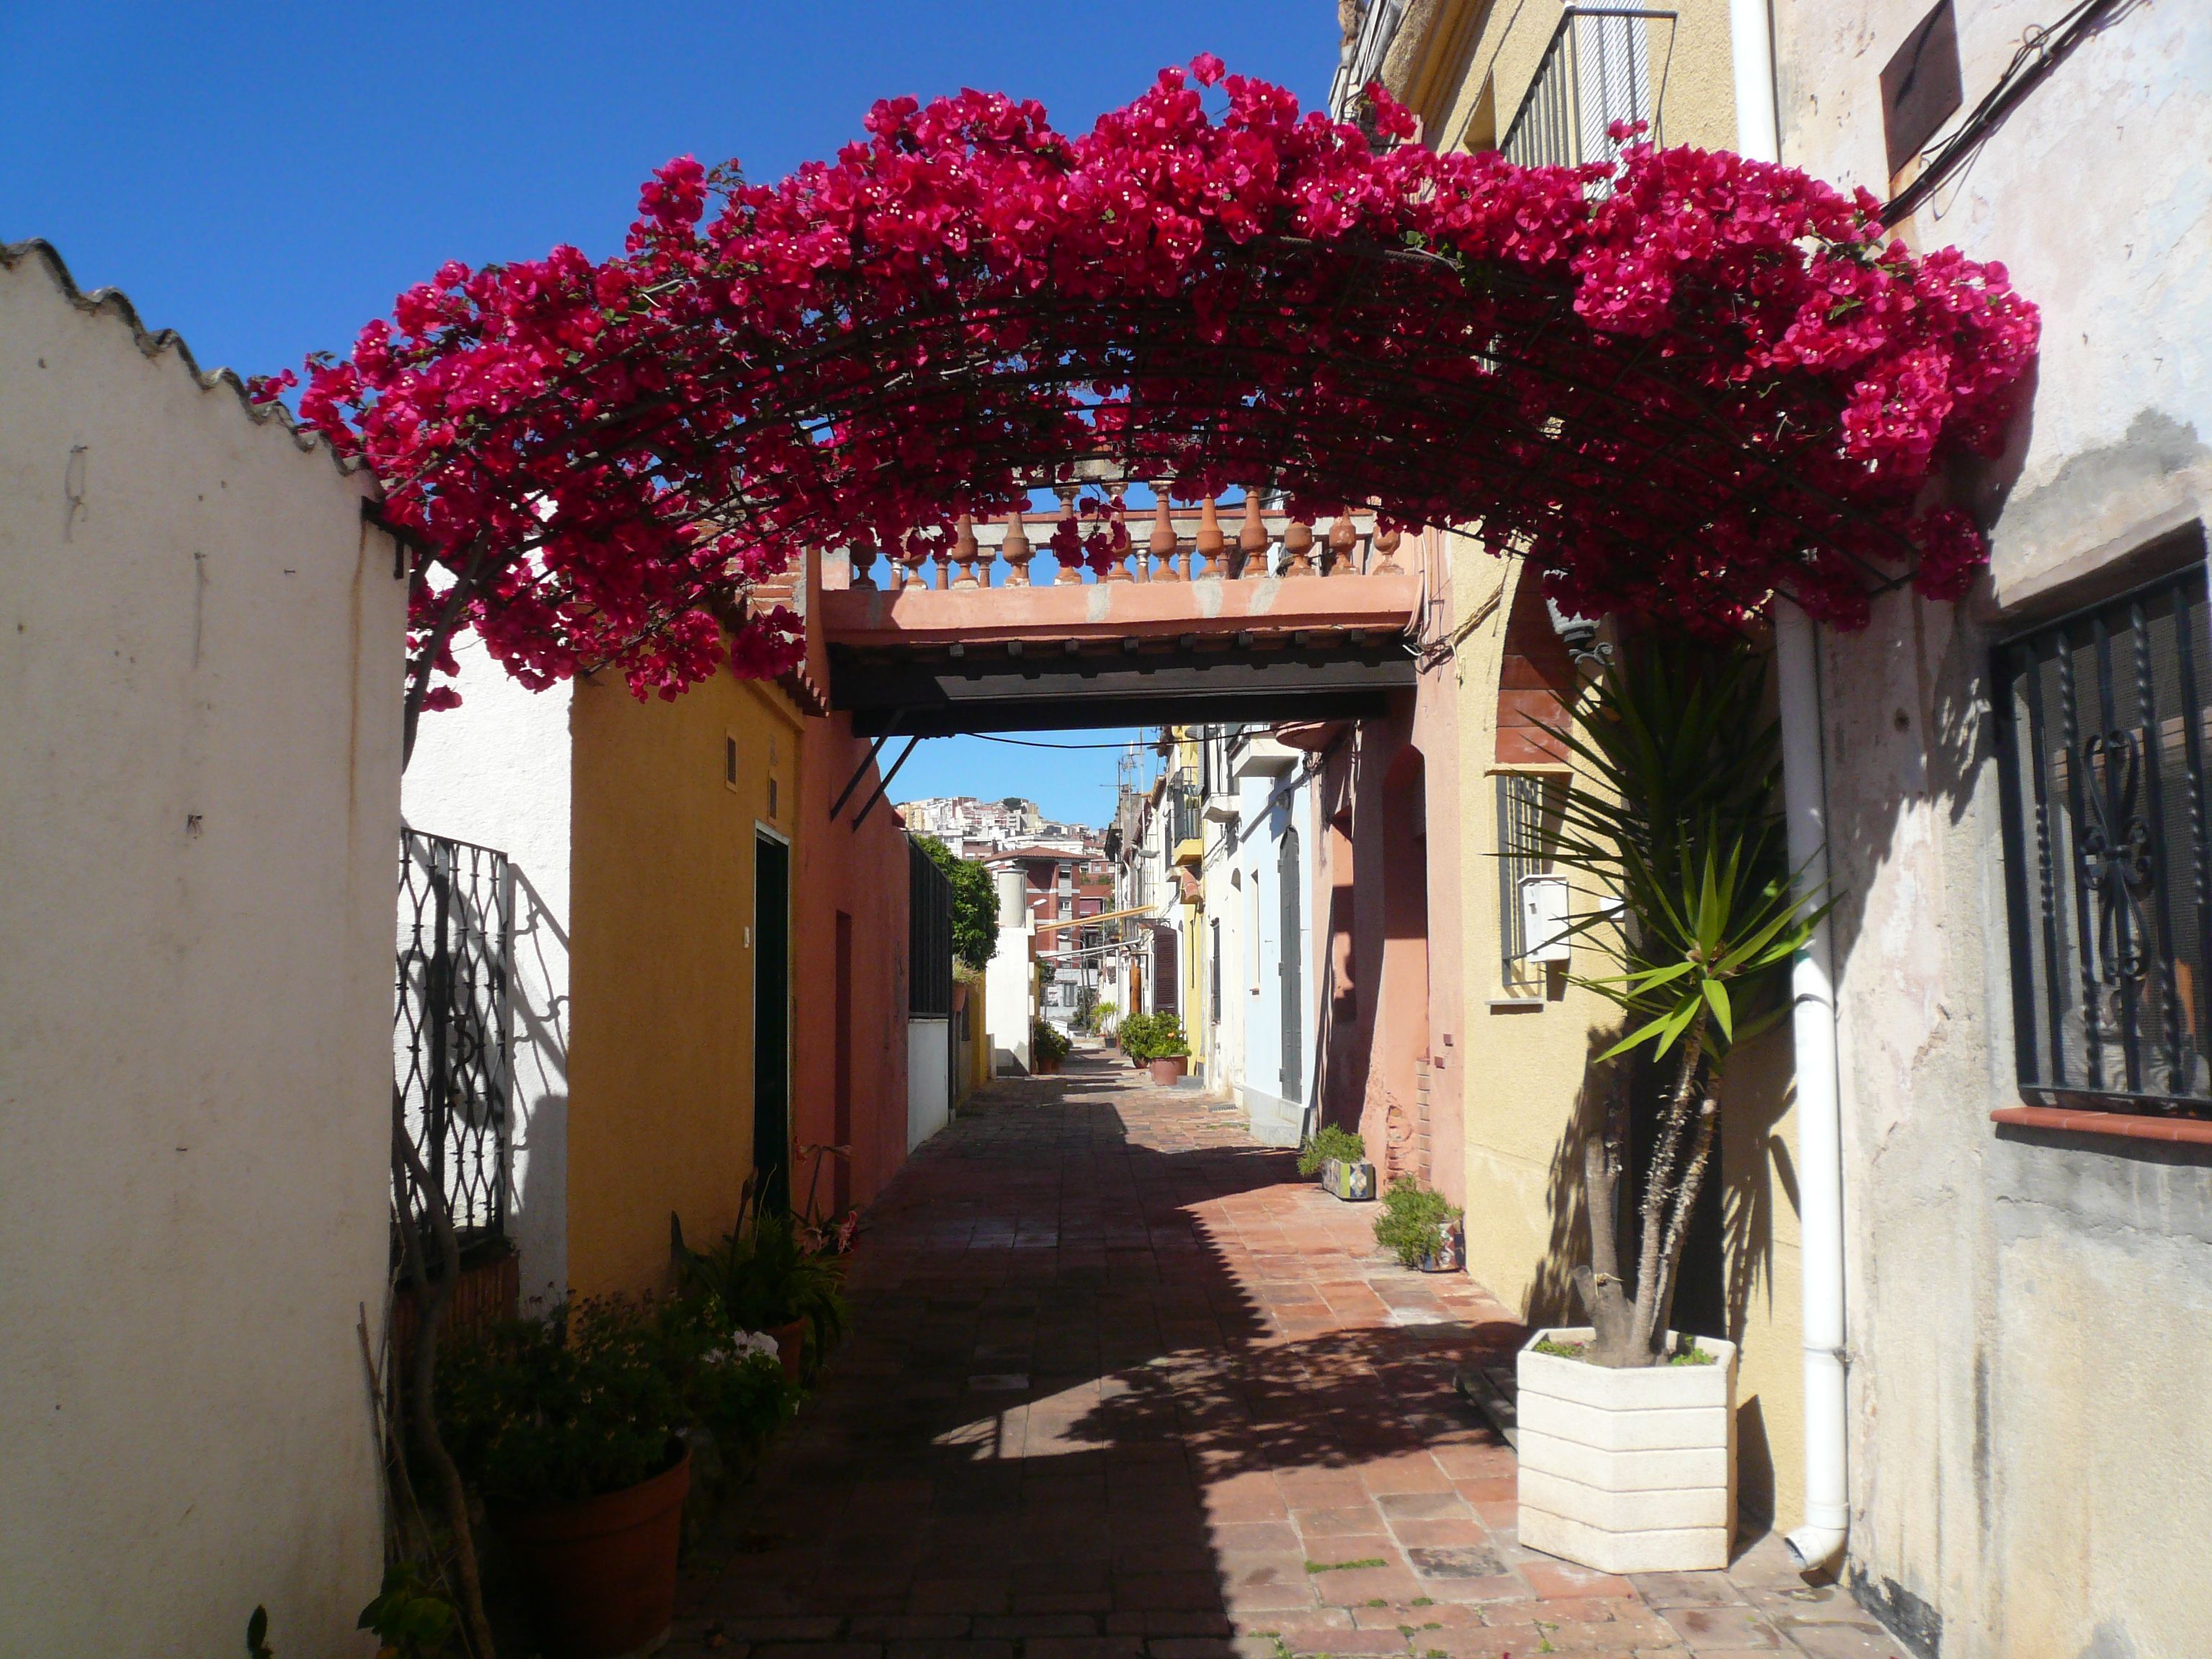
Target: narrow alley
x,y
1121,1386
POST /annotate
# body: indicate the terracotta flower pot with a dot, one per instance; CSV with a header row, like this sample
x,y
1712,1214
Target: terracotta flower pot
x,y
602,1573
791,1347
1168,1067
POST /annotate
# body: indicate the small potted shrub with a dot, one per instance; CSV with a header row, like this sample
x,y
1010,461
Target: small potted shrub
x,y
1047,1047
1338,1156
1421,1228
1102,1022
568,1428
1137,1038
1166,1051
762,1277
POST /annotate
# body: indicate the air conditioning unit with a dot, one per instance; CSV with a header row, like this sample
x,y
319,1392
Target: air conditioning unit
x,y
1544,919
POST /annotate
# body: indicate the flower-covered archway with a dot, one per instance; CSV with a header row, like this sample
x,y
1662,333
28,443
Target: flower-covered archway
x,y
1678,386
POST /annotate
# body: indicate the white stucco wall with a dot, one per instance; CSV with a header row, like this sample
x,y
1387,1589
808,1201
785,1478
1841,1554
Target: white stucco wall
x,y
496,771
2030,1316
1009,992
199,736
928,1078
1268,798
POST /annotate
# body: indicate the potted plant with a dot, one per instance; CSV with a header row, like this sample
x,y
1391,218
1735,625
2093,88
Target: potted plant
x,y
566,1427
1047,1047
1166,1051
1421,1228
762,1277
1137,1038
1699,912
1102,1021
1338,1156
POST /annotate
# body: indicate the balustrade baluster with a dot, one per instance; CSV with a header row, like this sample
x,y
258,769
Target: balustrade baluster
x,y
1070,565
1016,550
1343,547
1208,559
1117,520
1297,548
1164,544
863,558
1252,540
1385,544
961,565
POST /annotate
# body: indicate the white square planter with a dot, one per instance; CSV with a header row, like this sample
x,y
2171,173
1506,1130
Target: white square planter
x,y
1627,1471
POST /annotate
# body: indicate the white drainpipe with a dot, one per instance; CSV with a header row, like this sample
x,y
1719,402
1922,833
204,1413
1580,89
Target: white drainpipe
x,y
1820,1110
1813,1023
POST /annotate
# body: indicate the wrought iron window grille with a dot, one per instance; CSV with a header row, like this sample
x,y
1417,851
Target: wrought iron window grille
x,y
451,1024
1529,809
1603,64
2104,718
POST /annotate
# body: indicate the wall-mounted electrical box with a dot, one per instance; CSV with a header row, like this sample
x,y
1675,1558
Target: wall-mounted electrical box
x,y
1544,918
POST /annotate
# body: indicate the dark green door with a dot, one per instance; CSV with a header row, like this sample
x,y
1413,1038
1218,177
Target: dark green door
x,y
772,1020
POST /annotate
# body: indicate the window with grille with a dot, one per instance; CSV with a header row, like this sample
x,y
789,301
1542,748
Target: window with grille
x,y
2104,723
1527,827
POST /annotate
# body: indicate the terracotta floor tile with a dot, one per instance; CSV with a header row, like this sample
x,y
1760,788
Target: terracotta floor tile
x,y
1116,1377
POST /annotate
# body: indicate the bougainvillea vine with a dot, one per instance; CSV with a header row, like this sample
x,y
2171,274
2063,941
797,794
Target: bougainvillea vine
x,y
1677,384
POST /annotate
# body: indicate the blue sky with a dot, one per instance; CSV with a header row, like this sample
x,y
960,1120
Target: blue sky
x,y
264,178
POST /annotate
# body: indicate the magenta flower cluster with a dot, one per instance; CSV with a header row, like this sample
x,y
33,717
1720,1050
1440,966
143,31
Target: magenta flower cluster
x,y
1678,384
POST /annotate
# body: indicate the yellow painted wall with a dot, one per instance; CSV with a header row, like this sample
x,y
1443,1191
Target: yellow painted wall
x,y
661,1114
1477,47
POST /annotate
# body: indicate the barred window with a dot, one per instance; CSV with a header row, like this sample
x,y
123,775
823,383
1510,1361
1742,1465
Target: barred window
x,y
2103,724
1529,807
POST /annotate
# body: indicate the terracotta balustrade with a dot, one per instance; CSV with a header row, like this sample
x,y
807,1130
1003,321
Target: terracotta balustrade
x,y
1187,543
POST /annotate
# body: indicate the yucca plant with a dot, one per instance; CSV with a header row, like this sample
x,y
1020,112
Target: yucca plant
x,y
1675,826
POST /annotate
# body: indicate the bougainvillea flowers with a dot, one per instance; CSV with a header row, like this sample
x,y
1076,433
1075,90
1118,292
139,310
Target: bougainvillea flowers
x,y
1678,384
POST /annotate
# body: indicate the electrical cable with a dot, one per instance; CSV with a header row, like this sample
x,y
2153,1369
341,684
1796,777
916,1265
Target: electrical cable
x,y
1031,743
2041,50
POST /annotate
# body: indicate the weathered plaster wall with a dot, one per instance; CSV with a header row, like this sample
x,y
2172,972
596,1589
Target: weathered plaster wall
x,y
661,1114
496,771
2029,1317
200,642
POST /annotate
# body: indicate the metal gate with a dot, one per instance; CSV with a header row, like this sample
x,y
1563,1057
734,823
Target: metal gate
x,y
450,1025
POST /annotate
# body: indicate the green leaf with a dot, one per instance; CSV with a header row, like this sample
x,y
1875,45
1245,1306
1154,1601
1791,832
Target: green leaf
x,y
1716,997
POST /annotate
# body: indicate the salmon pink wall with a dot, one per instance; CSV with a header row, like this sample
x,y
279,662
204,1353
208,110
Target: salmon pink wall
x,y
864,875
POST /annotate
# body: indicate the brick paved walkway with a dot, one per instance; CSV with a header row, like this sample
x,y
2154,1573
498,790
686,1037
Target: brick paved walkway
x,y
1122,1387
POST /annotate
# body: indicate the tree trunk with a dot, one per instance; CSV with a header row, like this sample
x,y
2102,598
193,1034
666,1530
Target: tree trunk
x,y
430,1312
1654,1279
1603,1290
1677,1229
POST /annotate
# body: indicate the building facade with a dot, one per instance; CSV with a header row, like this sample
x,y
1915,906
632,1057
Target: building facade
x,y
2021,1022
710,976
